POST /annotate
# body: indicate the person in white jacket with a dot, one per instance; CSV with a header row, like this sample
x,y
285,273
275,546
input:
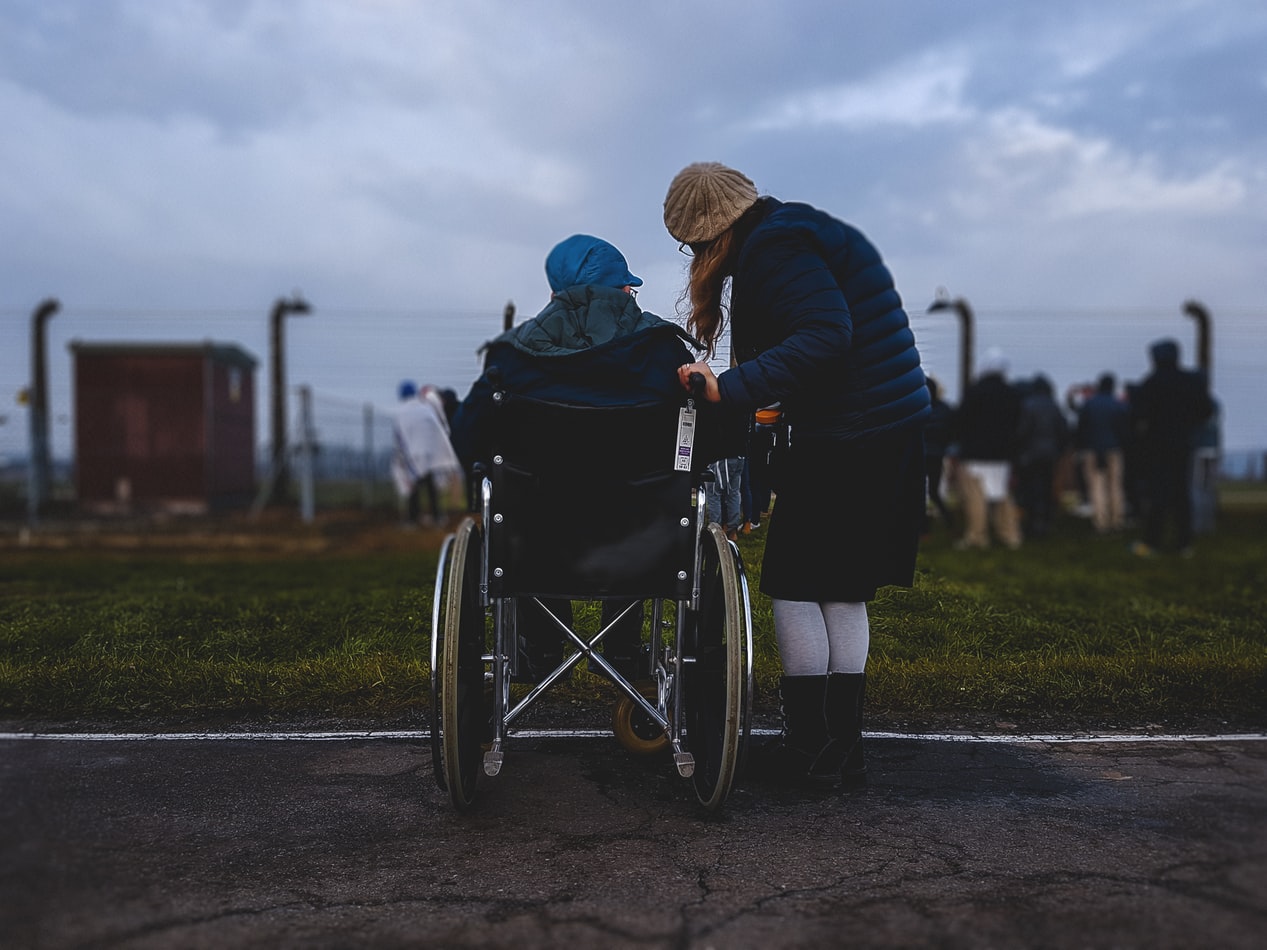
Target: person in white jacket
x,y
423,459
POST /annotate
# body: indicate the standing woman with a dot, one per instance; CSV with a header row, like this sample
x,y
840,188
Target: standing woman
x,y
817,326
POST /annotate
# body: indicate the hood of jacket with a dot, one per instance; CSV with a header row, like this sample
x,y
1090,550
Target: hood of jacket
x,y
582,318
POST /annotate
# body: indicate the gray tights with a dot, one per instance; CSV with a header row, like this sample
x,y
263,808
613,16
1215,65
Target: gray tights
x,y
823,638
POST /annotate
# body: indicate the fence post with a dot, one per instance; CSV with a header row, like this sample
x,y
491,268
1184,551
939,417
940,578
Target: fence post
x,y
368,481
307,504
38,471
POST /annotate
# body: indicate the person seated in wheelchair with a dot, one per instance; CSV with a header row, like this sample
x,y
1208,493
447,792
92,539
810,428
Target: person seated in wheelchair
x,y
590,346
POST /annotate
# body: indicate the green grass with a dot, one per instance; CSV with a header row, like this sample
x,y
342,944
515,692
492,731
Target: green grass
x,y
1077,628
92,634
1073,630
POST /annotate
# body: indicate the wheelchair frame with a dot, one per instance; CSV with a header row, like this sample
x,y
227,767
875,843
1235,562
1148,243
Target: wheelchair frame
x,y
698,703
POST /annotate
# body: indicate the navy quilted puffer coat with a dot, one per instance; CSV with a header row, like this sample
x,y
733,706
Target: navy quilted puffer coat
x,y
817,325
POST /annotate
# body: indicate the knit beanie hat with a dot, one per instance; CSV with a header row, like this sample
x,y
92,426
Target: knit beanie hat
x,y
704,200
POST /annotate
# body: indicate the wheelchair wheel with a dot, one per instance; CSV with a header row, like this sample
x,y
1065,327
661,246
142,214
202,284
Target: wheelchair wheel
x,y
465,706
718,684
443,568
636,731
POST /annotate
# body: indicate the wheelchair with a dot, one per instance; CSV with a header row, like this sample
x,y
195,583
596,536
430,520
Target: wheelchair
x,y
592,504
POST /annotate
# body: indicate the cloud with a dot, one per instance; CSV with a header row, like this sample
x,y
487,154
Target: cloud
x,y
1059,174
927,91
1084,46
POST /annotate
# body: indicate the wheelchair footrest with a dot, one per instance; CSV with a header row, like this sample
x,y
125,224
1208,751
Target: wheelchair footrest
x,y
685,763
493,762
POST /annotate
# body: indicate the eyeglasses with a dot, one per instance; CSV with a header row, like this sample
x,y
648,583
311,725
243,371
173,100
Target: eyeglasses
x,y
632,292
693,250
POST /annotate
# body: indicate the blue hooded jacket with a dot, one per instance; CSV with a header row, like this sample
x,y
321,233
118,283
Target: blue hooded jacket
x,y
817,325
590,346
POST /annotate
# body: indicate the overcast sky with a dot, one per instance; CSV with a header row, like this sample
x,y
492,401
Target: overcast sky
x,y
1075,170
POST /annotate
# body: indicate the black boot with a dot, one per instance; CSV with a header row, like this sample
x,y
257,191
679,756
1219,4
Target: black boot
x,y
842,759
788,758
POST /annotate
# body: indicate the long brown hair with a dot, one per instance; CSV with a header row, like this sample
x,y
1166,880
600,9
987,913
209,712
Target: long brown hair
x,y
704,292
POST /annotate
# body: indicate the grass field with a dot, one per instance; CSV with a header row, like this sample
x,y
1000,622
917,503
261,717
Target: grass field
x,y
225,622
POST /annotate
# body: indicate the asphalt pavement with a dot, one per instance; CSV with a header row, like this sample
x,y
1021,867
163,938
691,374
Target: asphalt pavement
x,y
348,842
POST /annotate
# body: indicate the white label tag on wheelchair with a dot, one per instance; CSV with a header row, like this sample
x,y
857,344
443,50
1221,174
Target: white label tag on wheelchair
x,y
685,439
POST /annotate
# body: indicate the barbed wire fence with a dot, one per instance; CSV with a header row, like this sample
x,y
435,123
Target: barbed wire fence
x,y
349,441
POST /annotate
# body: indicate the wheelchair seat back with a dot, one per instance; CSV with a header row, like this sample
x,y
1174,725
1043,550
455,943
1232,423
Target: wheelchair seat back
x,y
589,503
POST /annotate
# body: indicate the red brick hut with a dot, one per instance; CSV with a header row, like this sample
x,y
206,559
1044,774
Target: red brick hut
x,y
164,426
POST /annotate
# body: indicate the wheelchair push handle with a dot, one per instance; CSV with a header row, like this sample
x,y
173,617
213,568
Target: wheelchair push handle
x,y
699,385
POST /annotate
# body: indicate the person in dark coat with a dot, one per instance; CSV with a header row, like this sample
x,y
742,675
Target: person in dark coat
x,y
817,327
1169,407
590,346
1042,437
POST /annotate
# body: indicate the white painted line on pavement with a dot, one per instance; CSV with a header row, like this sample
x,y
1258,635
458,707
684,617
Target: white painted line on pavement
x,y
599,734
1065,739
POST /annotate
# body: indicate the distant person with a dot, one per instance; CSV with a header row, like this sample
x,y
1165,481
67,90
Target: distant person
x,y
724,495
1100,438
432,397
1075,398
423,460
939,433
986,427
1041,440
1133,468
1169,407
449,399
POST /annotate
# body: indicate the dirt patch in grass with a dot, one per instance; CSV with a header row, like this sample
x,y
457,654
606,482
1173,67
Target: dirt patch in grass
x,y
276,533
